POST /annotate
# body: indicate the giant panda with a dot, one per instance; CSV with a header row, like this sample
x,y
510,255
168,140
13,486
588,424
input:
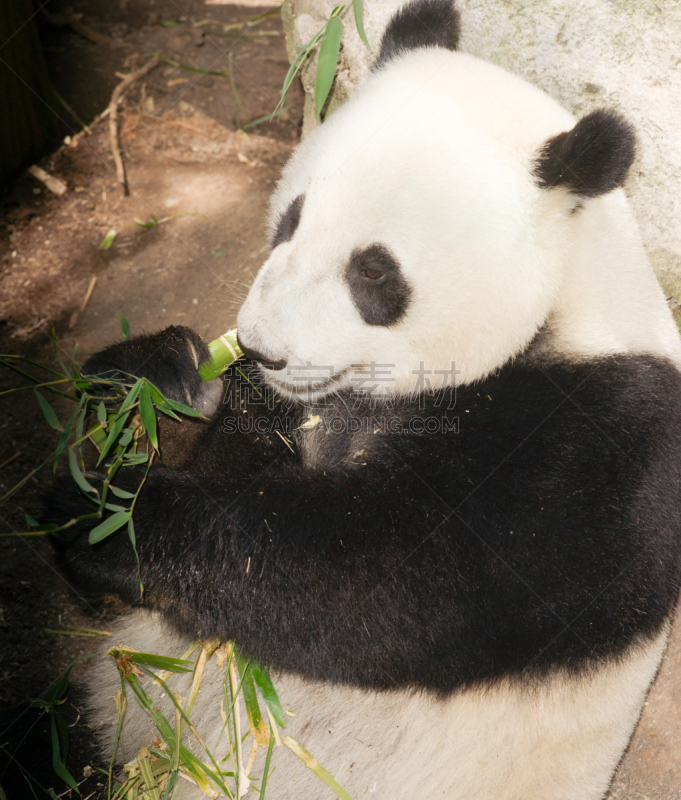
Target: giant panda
x,y
452,526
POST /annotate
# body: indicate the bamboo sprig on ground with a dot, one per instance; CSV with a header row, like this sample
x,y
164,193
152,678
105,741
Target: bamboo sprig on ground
x,y
155,770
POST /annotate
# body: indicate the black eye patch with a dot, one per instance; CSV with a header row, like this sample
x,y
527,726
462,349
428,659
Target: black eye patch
x,y
288,222
378,287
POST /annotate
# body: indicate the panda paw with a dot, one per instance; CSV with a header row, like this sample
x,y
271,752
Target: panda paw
x,y
169,359
106,567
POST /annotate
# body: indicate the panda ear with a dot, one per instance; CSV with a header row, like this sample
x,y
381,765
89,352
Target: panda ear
x,y
423,23
591,159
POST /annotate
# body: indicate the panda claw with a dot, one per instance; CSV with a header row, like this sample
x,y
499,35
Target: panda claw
x,y
193,353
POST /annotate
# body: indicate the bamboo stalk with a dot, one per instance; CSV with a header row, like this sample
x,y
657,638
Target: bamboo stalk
x,y
241,777
224,351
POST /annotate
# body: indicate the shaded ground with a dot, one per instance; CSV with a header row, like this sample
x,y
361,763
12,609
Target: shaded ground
x,y
186,161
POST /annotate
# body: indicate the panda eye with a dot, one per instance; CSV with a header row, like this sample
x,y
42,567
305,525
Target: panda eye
x,y
377,286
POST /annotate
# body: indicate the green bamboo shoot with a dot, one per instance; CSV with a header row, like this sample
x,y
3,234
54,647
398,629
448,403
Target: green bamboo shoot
x,y
224,351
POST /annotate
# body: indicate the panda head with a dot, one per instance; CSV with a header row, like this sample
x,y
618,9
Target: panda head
x,y
423,226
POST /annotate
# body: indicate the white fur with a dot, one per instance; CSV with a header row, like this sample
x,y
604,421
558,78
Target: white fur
x,y
610,300
432,158
559,740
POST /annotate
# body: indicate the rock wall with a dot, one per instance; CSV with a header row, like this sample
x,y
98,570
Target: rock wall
x,y
588,54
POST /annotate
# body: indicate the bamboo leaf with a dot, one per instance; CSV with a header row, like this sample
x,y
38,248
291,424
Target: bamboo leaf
x,y
171,783
78,476
174,63
101,413
162,662
136,459
79,430
290,75
199,771
182,408
167,410
269,693
64,438
114,507
359,21
110,524
328,59
59,687
121,418
108,240
63,731
152,660
156,395
148,415
311,763
114,430
295,67
133,542
265,775
132,395
125,327
57,764
255,720
48,412
121,492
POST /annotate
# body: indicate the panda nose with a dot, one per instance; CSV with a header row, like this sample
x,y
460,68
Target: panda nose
x,y
254,355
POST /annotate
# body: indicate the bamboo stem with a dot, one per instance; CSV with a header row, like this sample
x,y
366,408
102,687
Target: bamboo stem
x,y
242,778
224,351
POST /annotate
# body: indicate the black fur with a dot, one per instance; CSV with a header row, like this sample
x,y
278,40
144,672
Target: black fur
x,y
424,23
545,533
591,159
165,358
383,300
288,222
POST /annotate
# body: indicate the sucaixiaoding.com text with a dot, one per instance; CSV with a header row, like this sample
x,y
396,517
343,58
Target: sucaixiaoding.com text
x,y
367,405
343,424
370,382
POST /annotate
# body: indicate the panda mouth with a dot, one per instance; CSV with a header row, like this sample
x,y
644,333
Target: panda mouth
x,y
306,387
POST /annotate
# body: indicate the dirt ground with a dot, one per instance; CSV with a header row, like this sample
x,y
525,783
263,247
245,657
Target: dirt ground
x,y
207,183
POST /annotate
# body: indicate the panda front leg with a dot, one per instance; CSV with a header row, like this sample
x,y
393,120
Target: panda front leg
x,y
355,628
169,359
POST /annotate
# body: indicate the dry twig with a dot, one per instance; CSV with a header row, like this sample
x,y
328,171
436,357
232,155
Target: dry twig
x,y
88,294
113,117
67,18
10,459
53,184
86,300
